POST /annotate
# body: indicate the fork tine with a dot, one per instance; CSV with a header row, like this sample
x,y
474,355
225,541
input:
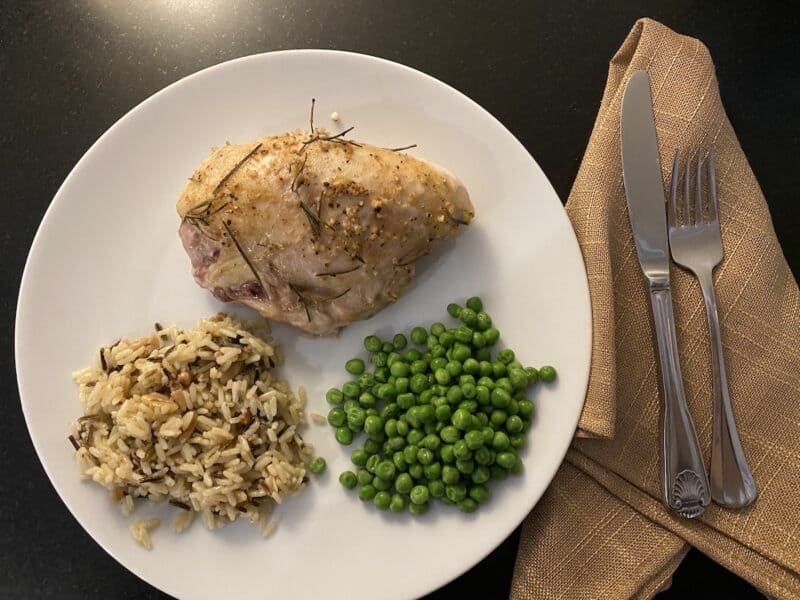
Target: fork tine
x,y
672,213
687,214
712,185
698,198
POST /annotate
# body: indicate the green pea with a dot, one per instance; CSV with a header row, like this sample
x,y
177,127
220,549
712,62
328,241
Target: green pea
x,y
337,417
482,395
447,454
373,425
417,509
410,454
513,407
515,364
364,477
500,398
317,465
334,396
426,413
414,437
416,471
498,418
468,317
418,367
379,359
463,334
399,369
381,484
344,436
483,456
403,483
440,362
468,405
516,468
481,474
432,470
456,492
526,409
359,457
412,355
437,329
436,488
492,335
372,343
442,413
478,340
402,428
447,339
518,378
461,450
382,500
473,439
506,459
486,382
468,390
367,492
465,466
516,440
484,369
371,446
454,395
387,347
453,369
399,341
382,374
419,335
450,475
472,366
514,424
505,356
484,321
533,375
461,419
354,366
418,383
372,463
442,376
390,427
547,374
504,384
436,349
385,470
348,479
356,418
453,310
397,504
475,304
399,462
498,473
351,389
405,401
498,370
461,353
424,456
500,441
419,494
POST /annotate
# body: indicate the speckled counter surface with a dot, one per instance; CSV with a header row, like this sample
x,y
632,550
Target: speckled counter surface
x,y
70,69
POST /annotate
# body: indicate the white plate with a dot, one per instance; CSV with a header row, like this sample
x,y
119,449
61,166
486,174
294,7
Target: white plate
x,y
107,262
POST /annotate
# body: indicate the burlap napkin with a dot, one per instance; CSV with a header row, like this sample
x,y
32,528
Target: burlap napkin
x,y
601,529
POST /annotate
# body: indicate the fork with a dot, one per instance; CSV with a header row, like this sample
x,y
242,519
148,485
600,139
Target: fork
x,y
696,245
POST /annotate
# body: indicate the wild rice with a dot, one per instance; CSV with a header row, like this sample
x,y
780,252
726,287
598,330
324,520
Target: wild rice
x,y
195,417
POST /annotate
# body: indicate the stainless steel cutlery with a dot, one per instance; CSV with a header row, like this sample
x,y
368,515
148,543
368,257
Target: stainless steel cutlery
x,y
684,481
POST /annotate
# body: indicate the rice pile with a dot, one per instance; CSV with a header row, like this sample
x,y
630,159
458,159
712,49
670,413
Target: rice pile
x,y
194,417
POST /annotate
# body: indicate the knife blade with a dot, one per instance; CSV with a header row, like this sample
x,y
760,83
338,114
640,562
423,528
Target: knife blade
x,y
641,171
684,482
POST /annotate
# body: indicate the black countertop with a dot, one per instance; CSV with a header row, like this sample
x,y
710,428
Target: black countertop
x,y
70,69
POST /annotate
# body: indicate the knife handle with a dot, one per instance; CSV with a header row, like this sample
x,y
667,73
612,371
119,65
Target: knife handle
x,y
684,483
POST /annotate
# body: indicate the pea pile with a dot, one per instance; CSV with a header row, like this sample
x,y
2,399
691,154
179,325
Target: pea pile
x,y
441,421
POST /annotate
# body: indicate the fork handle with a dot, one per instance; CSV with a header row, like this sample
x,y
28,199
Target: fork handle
x,y
684,483
732,482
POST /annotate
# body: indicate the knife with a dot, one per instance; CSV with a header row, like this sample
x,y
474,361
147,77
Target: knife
x,y
684,483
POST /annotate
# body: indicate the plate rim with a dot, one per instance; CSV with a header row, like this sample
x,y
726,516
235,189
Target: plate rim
x,y
47,216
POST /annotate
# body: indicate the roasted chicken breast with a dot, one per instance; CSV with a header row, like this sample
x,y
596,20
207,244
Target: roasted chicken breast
x,y
314,229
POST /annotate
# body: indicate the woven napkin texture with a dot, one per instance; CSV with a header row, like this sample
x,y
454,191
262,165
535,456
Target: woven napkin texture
x,y
601,531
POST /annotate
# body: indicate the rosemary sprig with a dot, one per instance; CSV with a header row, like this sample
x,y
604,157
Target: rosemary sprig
x,y
295,185
401,148
244,255
301,298
236,167
337,138
311,117
337,296
335,273
313,220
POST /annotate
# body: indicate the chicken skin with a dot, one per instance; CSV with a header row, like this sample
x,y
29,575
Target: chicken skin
x,y
314,229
